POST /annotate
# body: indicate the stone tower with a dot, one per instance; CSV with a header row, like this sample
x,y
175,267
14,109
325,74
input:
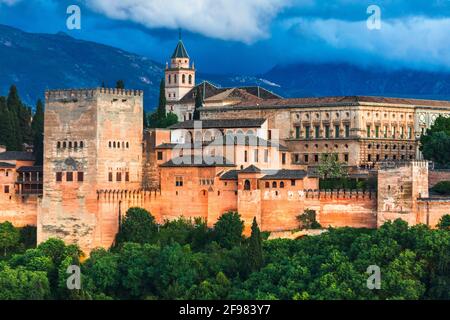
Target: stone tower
x,y
180,76
92,142
400,185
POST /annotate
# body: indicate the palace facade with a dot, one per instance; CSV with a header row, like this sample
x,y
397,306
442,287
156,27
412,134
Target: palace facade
x,y
252,152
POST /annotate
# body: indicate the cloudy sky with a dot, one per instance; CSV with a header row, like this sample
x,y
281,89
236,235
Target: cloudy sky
x,y
251,36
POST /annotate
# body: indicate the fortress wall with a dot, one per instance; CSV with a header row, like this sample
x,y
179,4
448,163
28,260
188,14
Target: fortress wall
x,y
17,210
430,211
333,208
435,176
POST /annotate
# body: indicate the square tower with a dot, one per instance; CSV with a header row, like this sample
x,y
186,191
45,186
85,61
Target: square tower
x,y
92,142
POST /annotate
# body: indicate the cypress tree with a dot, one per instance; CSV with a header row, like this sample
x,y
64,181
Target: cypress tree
x,y
162,100
6,133
14,106
255,251
120,84
198,103
38,132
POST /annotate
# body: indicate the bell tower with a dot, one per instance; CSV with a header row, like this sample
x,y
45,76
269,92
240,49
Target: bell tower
x,y
180,75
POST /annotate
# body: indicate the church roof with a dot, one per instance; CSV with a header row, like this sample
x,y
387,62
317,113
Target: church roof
x,y
251,169
180,51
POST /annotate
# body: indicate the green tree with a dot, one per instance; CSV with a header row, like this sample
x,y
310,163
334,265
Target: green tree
x,y
198,103
14,106
7,136
21,284
161,111
308,220
330,167
9,237
444,222
138,226
120,84
37,126
255,251
228,230
435,143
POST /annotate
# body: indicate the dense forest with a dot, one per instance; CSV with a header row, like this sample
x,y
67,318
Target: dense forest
x,y
187,260
19,125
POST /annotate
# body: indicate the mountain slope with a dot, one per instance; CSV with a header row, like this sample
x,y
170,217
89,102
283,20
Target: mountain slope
x,y
35,62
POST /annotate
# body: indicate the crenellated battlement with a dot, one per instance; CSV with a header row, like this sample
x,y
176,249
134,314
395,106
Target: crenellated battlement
x,y
51,95
390,165
300,195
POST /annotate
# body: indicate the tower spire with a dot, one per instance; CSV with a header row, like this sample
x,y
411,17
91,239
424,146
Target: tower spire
x,y
179,34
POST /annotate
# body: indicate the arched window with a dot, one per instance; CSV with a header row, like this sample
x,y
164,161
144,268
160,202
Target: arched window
x,y
110,144
247,185
75,144
267,184
128,145
274,184
170,80
58,145
114,144
183,78
175,78
118,144
281,184
64,145
81,144
190,79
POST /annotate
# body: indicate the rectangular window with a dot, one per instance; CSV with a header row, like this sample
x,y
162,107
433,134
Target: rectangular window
x,y
296,158
297,132
178,181
368,131
317,132
266,155
127,176
409,132
118,176
316,158
402,132
6,189
58,176
336,131
80,176
245,156
347,131
256,156
327,132
110,177
393,132
283,158
292,182
385,132
160,155
345,157
306,158
307,129
69,176
270,135
377,131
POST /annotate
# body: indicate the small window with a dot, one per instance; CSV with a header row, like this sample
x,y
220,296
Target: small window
x,y
274,184
81,144
127,176
110,144
80,176
247,185
58,176
118,176
6,189
69,176
58,145
283,158
128,145
70,144
160,155
281,184
75,145
178,181
267,185
292,182
110,177
64,145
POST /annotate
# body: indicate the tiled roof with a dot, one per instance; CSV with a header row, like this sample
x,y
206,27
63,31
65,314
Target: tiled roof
x,y
17,155
284,174
343,100
197,161
230,175
180,51
6,165
221,124
30,169
251,169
